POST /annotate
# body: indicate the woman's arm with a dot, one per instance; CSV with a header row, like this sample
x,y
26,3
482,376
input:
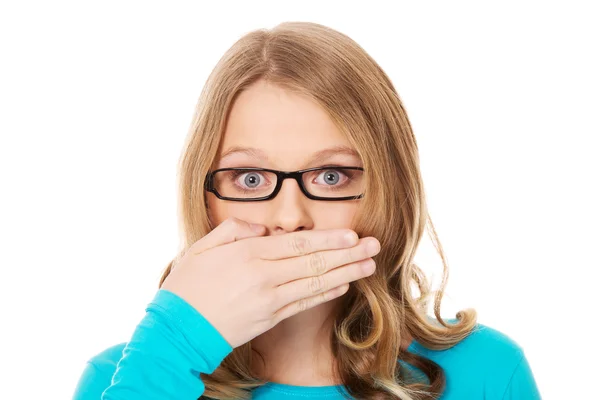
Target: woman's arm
x,y
169,349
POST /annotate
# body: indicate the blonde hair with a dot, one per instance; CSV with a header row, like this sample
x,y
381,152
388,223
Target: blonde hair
x,y
378,311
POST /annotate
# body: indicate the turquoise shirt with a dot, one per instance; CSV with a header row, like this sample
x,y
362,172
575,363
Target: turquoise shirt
x,y
174,343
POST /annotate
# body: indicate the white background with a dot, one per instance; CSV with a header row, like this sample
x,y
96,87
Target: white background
x,y
96,99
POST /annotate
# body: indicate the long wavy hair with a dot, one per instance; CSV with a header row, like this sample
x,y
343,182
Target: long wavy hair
x,y
378,311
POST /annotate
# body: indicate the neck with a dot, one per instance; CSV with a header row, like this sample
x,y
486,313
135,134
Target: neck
x,y
297,351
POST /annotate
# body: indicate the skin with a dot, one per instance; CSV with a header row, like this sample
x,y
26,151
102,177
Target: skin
x,y
289,129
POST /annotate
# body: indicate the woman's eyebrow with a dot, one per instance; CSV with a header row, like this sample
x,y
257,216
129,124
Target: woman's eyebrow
x,y
317,157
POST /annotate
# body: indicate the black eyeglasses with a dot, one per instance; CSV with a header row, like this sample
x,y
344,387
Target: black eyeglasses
x,y
259,184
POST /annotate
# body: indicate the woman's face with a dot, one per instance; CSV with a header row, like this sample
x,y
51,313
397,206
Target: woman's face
x,y
288,130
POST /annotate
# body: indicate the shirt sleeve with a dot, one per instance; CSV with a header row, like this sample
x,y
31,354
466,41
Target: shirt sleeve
x,y
168,350
522,383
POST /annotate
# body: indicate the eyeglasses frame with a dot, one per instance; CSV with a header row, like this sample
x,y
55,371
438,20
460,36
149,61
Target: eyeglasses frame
x,y
281,176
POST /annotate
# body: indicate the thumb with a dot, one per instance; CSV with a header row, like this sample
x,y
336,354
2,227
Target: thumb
x,y
229,231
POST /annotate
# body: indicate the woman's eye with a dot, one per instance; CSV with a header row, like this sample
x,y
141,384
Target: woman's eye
x,y
249,179
331,177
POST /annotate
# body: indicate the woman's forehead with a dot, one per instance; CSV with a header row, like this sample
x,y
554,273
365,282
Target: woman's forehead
x,y
268,113
270,126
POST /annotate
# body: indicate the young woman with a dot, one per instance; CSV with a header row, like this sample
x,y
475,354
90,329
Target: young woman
x,y
302,206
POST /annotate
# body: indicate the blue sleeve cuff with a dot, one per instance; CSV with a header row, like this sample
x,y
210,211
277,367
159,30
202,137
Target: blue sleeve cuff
x,y
198,331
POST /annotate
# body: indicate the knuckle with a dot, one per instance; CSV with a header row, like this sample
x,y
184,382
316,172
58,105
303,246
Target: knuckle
x,y
365,252
303,304
236,224
232,236
301,245
231,222
316,284
324,297
328,242
317,264
349,256
235,229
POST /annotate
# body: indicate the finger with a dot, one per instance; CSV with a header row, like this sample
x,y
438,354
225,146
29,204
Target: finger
x,y
321,262
300,243
295,291
230,230
307,303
